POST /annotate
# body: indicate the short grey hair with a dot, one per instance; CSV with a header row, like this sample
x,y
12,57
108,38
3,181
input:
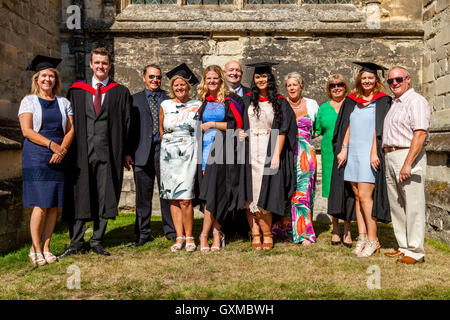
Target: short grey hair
x,y
401,68
296,76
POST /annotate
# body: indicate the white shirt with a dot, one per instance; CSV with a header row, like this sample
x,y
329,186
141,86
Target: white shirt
x,y
408,113
94,85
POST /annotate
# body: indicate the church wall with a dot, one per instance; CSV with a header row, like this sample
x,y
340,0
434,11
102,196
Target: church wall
x,y
436,88
27,28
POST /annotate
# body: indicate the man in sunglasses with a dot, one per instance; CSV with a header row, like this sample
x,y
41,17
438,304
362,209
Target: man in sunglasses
x,y
145,155
405,135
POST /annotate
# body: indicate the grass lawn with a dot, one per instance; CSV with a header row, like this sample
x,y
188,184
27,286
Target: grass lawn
x,y
238,272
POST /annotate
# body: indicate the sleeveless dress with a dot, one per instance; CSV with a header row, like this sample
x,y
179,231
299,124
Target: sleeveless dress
x,y
43,183
299,226
178,155
214,111
325,122
362,128
259,139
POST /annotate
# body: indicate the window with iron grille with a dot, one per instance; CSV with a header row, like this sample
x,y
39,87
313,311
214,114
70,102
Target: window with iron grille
x,y
206,2
327,1
154,1
272,1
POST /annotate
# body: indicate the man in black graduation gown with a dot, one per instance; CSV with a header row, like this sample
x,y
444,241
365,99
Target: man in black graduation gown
x,y
101,120
144,156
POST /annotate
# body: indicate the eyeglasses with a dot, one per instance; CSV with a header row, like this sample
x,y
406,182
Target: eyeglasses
x,y
153,77
334,85
398,79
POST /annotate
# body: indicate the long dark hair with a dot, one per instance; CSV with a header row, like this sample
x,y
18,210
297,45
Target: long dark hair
x,y
272,94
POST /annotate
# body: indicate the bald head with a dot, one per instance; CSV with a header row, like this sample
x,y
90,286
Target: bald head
x,y
233,73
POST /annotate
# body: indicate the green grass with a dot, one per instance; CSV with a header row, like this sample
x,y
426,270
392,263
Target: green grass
x,y
238,272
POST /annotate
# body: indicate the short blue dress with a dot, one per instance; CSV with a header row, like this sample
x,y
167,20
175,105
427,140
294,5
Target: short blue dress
x,y
43,183
362,129
214,111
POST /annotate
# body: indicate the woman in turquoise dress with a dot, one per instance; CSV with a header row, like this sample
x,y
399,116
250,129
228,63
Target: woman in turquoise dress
x,y
300,226
337,89
178,155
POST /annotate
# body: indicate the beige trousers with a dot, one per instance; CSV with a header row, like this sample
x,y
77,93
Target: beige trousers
x,y
407,202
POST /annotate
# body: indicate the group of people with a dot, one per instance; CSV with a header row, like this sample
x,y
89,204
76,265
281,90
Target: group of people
x,y
243,154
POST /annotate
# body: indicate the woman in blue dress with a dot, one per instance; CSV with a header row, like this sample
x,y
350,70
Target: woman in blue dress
x,y
359,129
218,178
46,121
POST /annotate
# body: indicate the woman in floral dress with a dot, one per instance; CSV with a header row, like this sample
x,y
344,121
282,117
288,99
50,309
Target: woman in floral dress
x,y
299,226
178,155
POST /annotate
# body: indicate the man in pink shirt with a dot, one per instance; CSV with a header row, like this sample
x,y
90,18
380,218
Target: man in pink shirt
x,y
405,135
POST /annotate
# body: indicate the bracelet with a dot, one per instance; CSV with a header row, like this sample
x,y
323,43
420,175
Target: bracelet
x,y
344,145
49,144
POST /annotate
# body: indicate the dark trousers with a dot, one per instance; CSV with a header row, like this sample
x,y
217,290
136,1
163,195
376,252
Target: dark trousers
x,y
97,188
144,178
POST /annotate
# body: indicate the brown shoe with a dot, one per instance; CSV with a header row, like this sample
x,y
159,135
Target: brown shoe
x,y
396,254
409,260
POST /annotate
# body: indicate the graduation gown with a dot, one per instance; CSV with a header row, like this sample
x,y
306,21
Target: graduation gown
x,y
276,189
218,187
117,103
341,202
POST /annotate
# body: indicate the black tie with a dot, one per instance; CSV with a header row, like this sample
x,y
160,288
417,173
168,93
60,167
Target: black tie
x,y
155,113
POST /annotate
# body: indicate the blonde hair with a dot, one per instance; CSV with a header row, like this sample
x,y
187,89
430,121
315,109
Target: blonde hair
x,y
297,76
35,86
203,88
358,90
172,80
335,78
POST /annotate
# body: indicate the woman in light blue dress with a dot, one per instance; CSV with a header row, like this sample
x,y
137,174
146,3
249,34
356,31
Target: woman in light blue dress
x,y
361,154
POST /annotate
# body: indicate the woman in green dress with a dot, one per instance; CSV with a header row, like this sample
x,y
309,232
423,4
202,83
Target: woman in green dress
x,y
337,89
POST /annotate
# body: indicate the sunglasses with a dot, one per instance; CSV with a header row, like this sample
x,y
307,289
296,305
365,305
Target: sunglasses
x,y
153,77
334,85
398,79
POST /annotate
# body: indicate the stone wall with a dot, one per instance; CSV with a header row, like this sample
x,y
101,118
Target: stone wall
x,y
315,40
436,85
27,28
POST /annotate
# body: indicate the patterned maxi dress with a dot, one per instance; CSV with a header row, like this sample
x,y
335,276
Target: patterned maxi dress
x,y
300,227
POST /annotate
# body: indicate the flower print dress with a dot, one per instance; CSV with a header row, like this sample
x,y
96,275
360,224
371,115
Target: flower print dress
x,y
178,155
299,226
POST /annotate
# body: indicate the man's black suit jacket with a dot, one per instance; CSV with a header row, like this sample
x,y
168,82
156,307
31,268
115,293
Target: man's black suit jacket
x,y
142,127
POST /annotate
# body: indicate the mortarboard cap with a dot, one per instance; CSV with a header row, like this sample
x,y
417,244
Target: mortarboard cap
x,y
183,71
43,62
262,67
370,67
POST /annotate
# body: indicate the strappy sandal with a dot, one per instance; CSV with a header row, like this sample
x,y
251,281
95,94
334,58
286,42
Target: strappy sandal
x,y
49,257
372,247
265,245
37,259
190,246
222,241
256,245
177,246
204,249
360,244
